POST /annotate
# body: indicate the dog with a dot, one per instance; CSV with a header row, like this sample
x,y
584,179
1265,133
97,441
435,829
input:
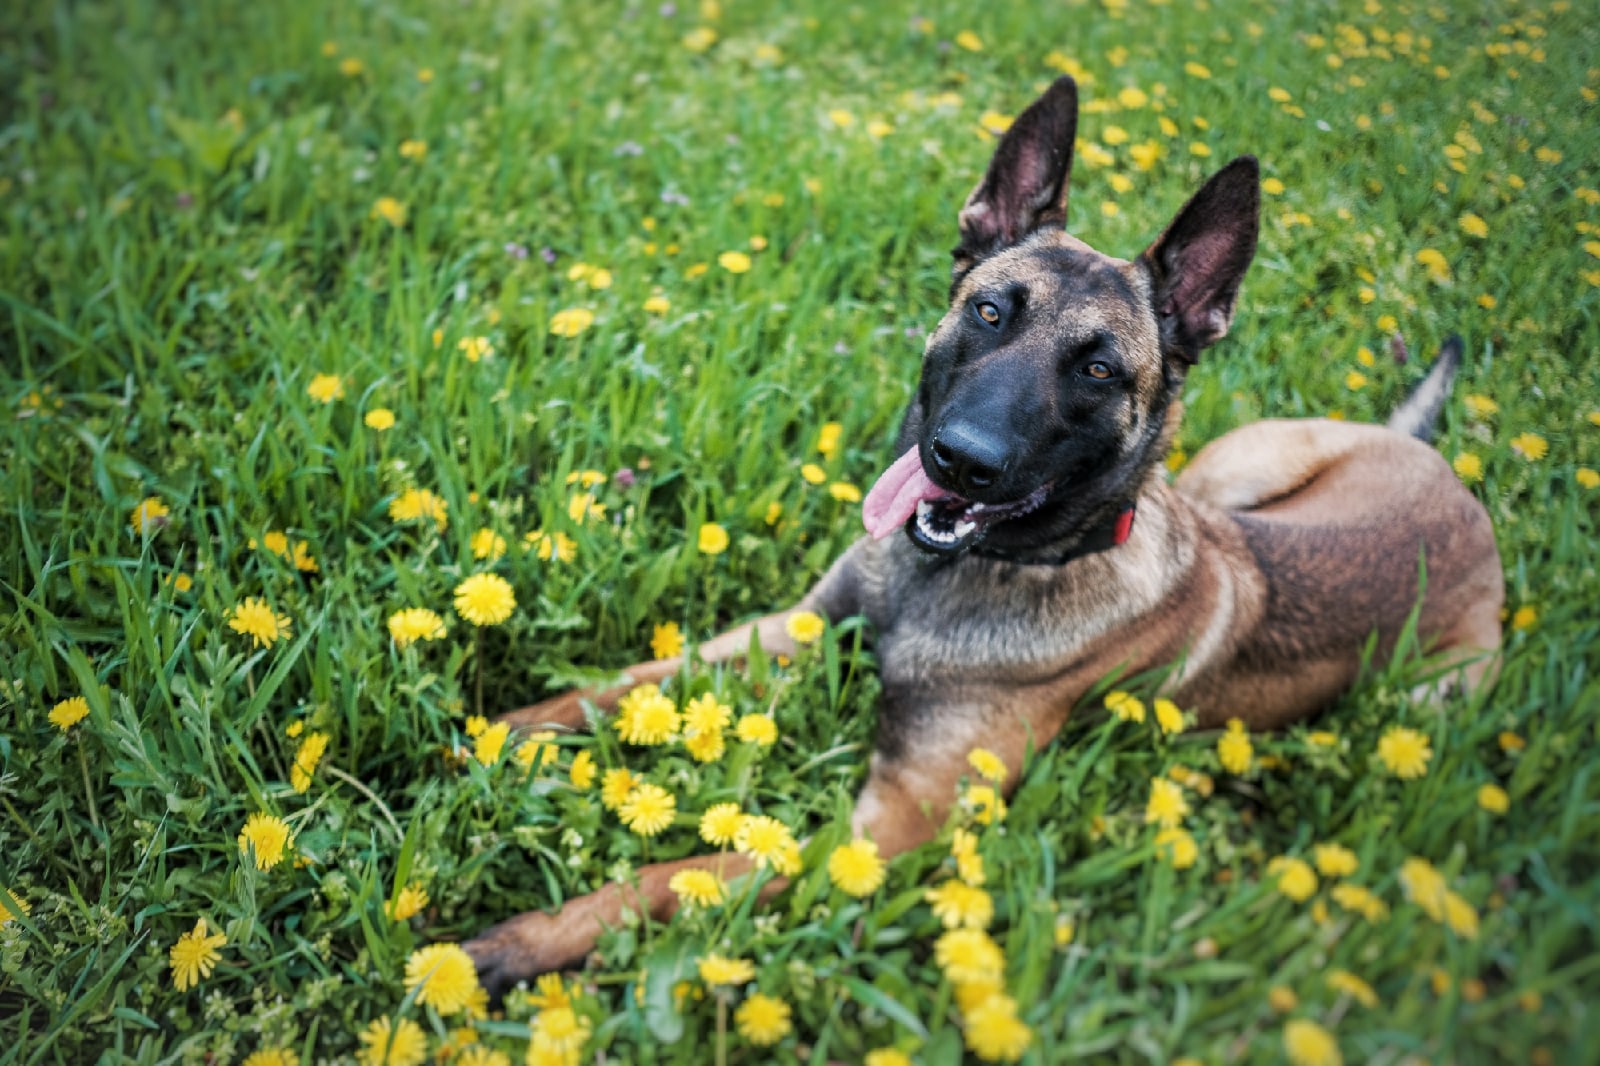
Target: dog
x,y
1026,543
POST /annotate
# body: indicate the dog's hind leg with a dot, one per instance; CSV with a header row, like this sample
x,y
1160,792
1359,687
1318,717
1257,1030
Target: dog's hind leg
x,y
903,804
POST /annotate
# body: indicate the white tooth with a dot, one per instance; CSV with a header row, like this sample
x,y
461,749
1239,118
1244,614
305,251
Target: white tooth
x,y
924,508
963,528
975,508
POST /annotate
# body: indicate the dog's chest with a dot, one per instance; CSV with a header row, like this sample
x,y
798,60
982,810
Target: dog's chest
x,y
977,620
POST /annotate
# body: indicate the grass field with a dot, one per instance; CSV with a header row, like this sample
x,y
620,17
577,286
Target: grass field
x,y
312,312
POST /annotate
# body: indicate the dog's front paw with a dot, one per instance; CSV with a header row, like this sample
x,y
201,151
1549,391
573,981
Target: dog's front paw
x,y
522,948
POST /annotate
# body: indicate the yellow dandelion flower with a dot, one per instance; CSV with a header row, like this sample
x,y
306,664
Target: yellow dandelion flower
x,y
414,504
266,837
648,809
762,1019
13,906
1125,706
409,904
1493,799
326,388
969,864
985,803
488,745
1335,860
844,492
255,619
763,838
959,905
1295,877
988,765
1588,477
390,210
1309,1044
1355,380
1167,805
804,627
1282,999
645,716
719,825
571,321
734,262
1425,886
1438,267
194,956
581,772
969,956
706,714
968,40
1352,986
1468,467
485,599
1404,752
379,418
487,544
1480,406
385,1044
1473,226
598,278
666,640
412,624
657,305
886,1056
274,1056
717,970
1359,900
712,539
69,712
705,746
1234,749
1460,916
1530,446
702,888
1178,847
828,438
559,1034
1510,743
700,39
855,868
413,149
615,784
994,1032
1524,617
443,976
151,514
558,548
757,729
306,758
1169,718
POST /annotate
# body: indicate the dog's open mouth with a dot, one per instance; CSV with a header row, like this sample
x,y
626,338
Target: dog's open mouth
x,y
936,519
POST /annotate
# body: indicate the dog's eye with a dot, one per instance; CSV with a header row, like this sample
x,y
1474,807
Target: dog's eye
x,y
989,313
1098,370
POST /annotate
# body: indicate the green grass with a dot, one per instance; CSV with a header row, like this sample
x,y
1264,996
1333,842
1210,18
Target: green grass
x,y
187,237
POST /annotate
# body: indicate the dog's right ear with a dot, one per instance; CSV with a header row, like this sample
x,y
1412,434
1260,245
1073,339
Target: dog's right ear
x,y
1025,187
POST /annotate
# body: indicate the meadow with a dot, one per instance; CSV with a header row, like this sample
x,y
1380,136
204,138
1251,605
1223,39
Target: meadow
x,y
369,369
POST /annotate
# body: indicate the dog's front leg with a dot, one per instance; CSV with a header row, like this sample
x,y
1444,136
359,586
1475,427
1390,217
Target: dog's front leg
x,y
835,597
566,710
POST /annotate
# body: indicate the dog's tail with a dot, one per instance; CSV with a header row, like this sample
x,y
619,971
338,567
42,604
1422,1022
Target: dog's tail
x,y
1416,417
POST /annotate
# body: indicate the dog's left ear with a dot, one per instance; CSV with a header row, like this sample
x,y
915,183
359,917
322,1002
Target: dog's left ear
x,y
1198,263
1025,187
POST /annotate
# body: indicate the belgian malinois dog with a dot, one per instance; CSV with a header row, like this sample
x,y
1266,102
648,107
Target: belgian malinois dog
x,y
1026,543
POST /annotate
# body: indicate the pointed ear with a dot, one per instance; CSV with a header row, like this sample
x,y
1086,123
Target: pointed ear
x,y
1025,187
1198,262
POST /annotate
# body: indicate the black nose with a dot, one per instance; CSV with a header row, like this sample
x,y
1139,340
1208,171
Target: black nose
x,y
969,458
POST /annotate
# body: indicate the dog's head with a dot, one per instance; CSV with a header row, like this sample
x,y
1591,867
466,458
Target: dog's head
x,y
1046,386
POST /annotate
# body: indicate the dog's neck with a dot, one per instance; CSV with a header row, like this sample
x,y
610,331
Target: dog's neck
x,y
1099,537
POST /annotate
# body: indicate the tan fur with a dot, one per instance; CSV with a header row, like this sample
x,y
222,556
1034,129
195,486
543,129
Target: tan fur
x,y
1259,577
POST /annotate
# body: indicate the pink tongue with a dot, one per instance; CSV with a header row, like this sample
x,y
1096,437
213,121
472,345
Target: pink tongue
x,y
896,495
